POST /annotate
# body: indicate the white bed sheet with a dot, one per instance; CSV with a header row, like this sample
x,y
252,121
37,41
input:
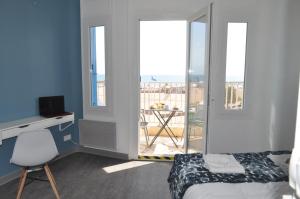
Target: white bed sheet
x,y
273,190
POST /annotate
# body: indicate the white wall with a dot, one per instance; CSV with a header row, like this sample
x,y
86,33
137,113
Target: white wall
x,y
229,132
286,75
264,123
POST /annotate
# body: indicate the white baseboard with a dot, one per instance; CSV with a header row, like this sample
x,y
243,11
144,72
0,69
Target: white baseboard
x,y
16,174
9,177
103,153
78,149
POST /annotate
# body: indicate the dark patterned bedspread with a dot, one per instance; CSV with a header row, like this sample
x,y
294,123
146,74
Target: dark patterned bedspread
x,y
188,169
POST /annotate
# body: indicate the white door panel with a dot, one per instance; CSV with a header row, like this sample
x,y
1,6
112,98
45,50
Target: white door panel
x,y
198,81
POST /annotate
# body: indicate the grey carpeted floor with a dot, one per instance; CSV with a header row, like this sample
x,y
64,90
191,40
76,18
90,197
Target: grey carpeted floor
x,y
81,176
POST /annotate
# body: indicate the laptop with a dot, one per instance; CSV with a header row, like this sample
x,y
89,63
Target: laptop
x,y
52,106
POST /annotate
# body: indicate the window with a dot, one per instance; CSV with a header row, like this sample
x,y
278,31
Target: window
x,y
235,65
97,67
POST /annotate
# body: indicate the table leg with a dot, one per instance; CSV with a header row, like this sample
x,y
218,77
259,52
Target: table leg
x,y
171,115
163,128
156,136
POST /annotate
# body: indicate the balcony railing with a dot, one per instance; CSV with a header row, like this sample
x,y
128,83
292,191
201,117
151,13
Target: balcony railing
x,y
173,94
101,92
170,93
234,95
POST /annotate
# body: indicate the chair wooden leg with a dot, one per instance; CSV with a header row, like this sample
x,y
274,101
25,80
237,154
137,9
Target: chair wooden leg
x,y
52,181
146,135
20,179
22,183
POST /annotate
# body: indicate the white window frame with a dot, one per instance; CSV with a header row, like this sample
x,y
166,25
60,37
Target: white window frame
x,y
244,105
219,47
89,111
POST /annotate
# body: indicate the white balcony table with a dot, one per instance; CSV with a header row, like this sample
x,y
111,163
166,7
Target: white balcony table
x,y
164,122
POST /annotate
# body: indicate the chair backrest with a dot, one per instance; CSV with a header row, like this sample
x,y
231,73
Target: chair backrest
x,y
34,147
142,116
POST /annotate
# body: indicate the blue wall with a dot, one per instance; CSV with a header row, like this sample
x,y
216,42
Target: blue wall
x,y
39,56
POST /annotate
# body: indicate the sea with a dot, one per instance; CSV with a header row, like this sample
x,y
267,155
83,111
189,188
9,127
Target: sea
x,y
173,78
155,78
162,78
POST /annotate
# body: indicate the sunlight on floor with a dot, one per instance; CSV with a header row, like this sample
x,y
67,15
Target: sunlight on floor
x,y
163,146
124,166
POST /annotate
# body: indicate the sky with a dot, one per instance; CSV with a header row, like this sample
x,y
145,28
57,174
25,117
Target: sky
x,y
197,48
100,50
163,47
236,51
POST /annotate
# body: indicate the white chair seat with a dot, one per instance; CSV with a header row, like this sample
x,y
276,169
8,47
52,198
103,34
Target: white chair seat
x,y
34,148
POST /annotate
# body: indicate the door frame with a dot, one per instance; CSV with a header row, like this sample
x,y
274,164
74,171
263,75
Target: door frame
x,y
207,11
135,82
138,20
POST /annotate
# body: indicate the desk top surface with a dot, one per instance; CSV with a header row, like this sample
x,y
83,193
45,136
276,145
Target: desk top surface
x,y
24,121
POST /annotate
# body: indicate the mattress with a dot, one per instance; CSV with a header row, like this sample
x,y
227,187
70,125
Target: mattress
x,y
272,190
189,170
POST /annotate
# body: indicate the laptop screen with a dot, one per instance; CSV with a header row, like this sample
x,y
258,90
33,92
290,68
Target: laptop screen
x,y
51,106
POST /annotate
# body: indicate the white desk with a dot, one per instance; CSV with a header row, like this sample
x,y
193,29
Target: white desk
x,y
14,128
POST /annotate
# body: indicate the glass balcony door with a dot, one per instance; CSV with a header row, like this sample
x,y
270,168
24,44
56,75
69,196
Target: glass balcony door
x,y
197,82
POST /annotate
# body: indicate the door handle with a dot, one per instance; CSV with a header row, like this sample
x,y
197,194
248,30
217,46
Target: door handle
x,y
211,101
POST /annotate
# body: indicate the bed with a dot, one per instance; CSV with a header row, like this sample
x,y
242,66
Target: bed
x,y
263,179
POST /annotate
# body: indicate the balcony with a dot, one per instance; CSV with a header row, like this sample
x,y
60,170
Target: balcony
x,y
173,94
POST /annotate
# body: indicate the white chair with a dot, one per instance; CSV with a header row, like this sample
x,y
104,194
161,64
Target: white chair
x,y
144,126
34,149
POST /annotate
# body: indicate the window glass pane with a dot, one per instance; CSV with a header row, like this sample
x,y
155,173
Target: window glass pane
x,y
235,65
97,70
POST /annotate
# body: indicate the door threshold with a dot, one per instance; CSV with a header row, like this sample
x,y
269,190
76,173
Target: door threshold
x,y
156,158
